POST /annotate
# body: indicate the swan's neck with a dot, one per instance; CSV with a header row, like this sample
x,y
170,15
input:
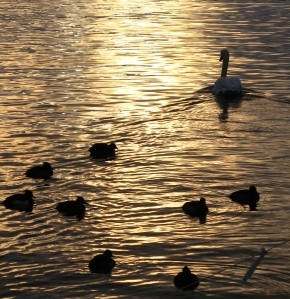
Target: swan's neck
x,y
225,66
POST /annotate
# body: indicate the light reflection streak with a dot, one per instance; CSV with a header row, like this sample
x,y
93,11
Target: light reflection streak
x,y
109,72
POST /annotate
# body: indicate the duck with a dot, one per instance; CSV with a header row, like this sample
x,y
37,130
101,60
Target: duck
x,y
195,208
72,207
227,86
246,197
185,280
103,150
102,263
20,202
44,171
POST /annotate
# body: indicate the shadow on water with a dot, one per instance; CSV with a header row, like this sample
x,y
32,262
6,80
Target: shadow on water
x,y
200,218
225,103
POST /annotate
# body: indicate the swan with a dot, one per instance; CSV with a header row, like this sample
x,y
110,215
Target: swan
x,y
229,86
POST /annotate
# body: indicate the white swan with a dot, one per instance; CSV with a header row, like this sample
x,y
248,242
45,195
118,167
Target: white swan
x,y
227,85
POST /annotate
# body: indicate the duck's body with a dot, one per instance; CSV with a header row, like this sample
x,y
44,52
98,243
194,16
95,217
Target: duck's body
x,y
44,171
72,207
102,263
195,208
246,197
20,202
227,86
103,150
185,280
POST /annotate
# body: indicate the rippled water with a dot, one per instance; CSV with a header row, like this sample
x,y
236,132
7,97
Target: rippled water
x,y
73,73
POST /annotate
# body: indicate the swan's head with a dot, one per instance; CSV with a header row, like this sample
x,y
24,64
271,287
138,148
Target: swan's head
x,y
224,54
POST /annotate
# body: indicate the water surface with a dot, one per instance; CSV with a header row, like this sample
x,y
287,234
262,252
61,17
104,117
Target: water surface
x,y
140,74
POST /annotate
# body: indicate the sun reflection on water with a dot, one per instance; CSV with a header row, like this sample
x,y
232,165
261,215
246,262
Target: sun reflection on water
x,y
140,74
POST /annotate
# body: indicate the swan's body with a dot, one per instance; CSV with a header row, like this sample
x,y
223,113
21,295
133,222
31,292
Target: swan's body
x,y
228,86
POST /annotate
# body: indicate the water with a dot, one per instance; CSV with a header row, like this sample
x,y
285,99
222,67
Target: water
x,y
77,72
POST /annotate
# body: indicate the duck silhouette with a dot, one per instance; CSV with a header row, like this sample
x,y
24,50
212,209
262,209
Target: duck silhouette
x,y
44,171
73,207
248,197
185,280
196,208
20,202
102,263
103,150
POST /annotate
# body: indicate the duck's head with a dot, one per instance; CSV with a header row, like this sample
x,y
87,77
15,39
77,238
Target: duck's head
x,y
108,253
29,194
253,189
113,145
46,165
81,200
186,270
202,201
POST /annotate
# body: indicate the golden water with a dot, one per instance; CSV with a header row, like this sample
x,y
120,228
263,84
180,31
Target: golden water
x,y
73,73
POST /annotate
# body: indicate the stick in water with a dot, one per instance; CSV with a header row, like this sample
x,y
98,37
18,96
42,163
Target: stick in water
x,y
255,264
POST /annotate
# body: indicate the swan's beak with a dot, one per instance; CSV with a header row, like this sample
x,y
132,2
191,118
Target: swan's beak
x,y
221,58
